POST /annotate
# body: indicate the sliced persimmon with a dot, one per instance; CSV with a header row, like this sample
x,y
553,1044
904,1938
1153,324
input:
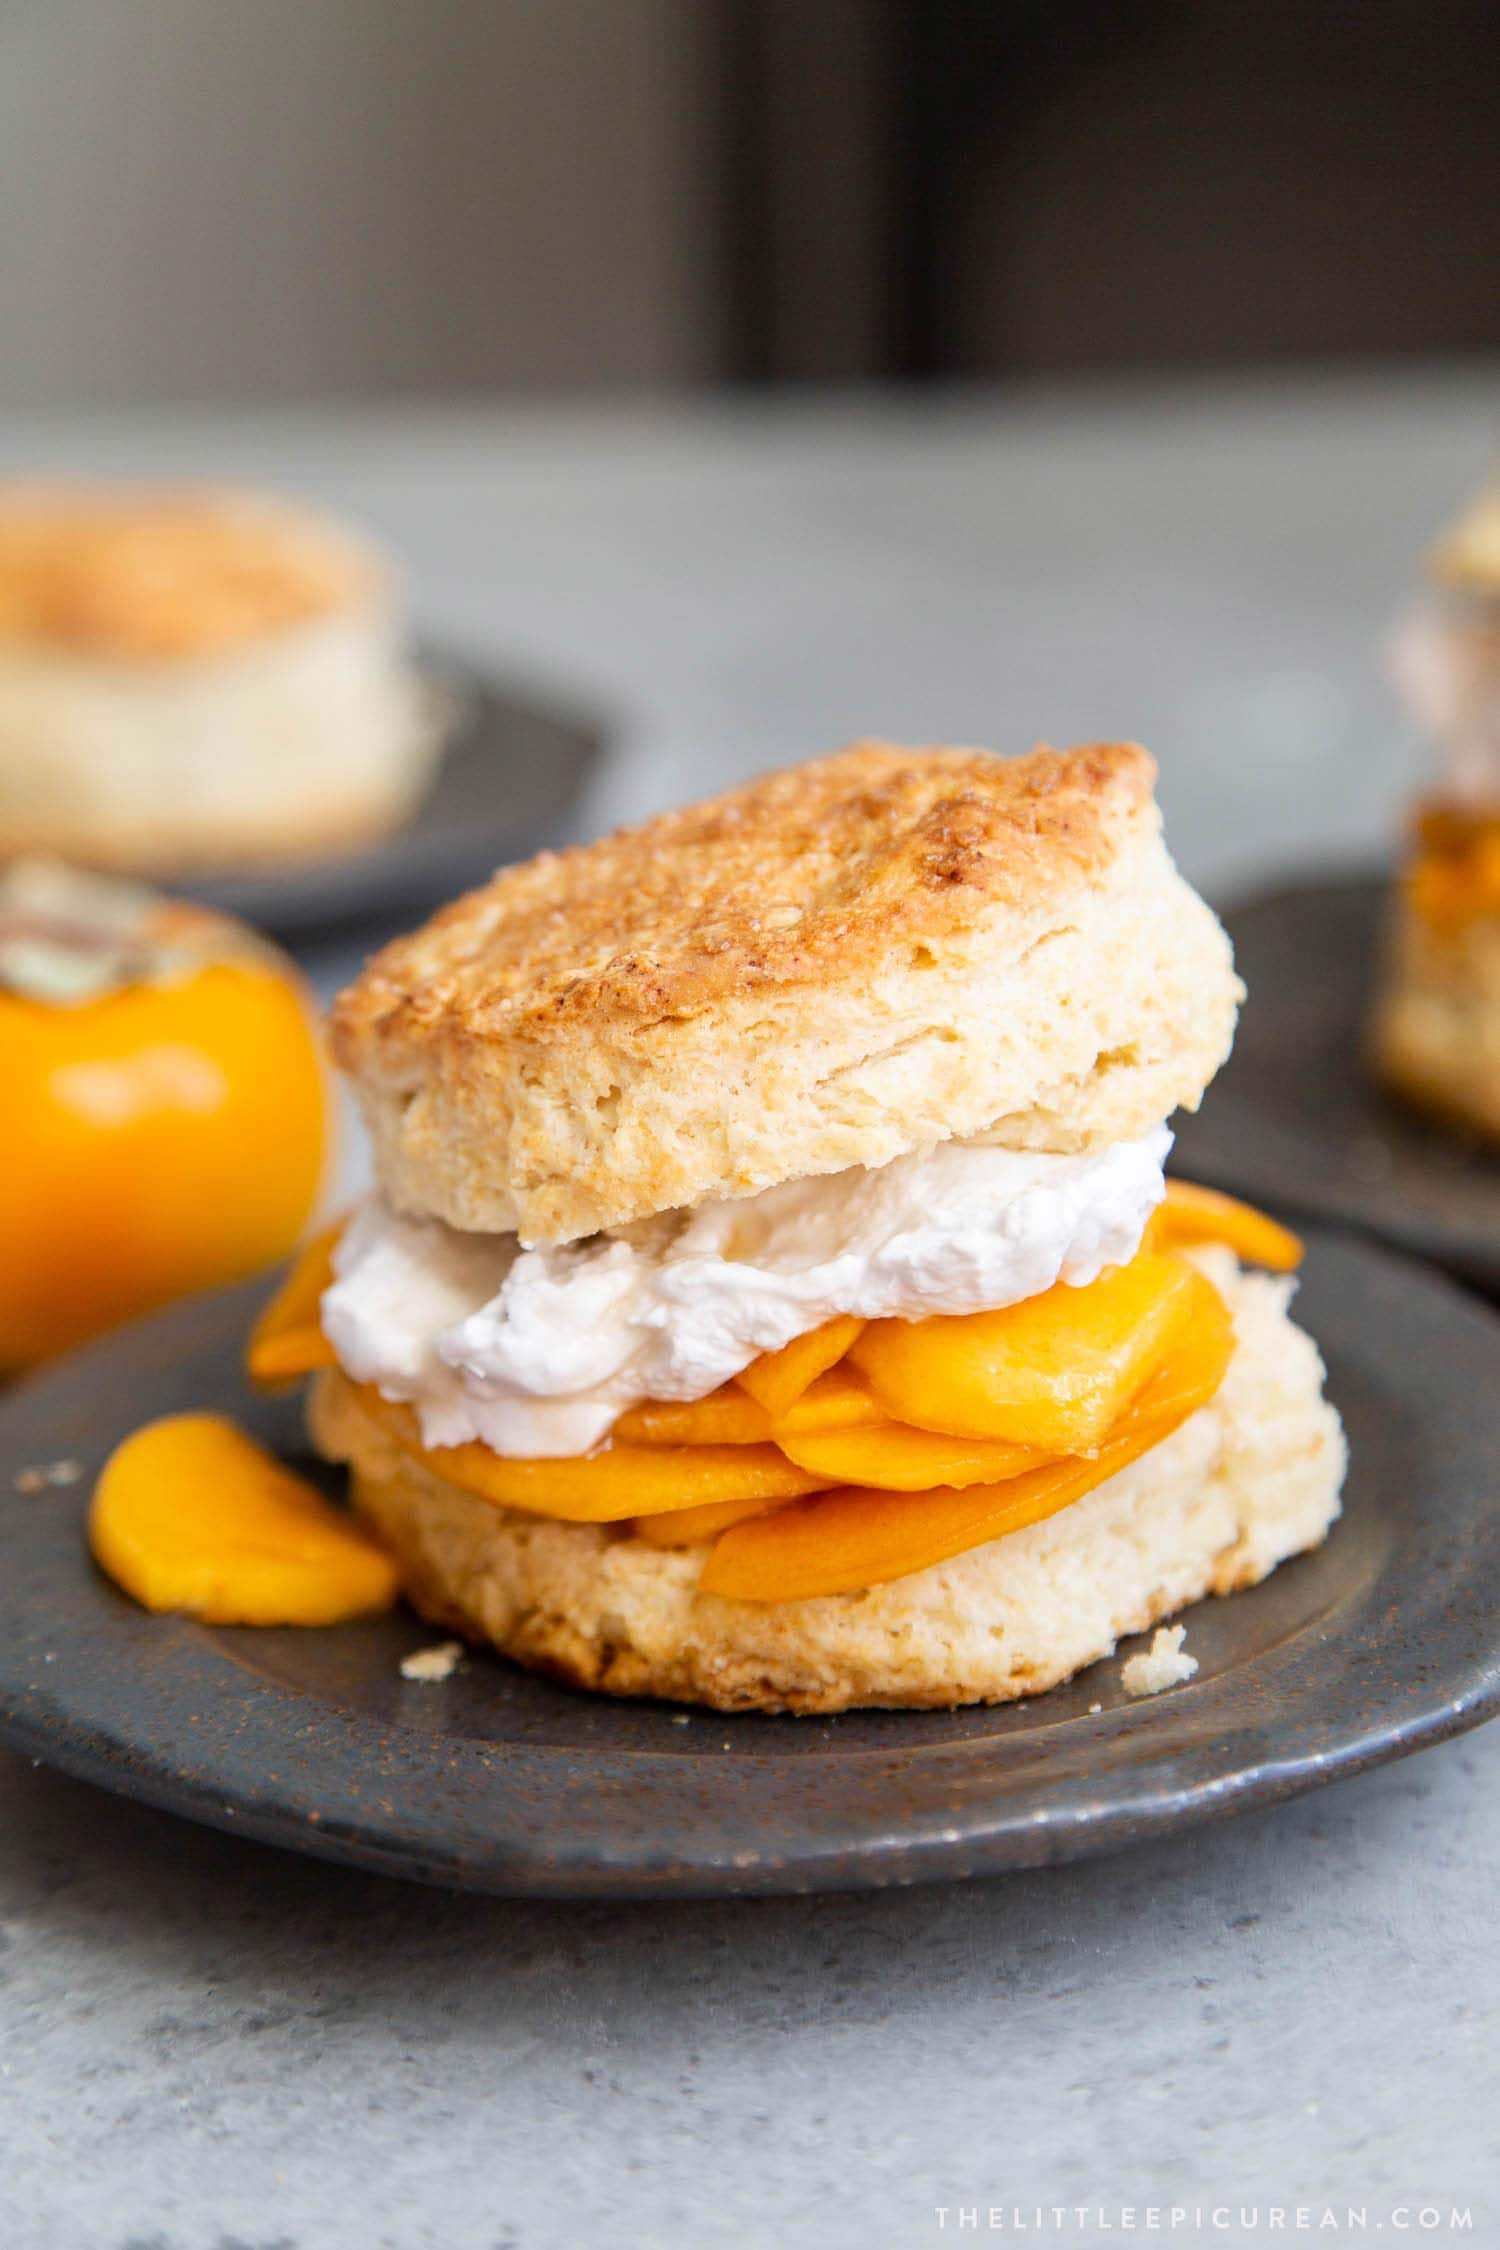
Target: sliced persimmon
x,y
287,1340
1191,1213
897,1458
857,1536
604,1487
728,1416
1054,1372
778,1379
839,1400
191,1514
693,1527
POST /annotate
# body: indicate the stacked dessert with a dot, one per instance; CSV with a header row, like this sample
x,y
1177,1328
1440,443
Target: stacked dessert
x,y
771,1297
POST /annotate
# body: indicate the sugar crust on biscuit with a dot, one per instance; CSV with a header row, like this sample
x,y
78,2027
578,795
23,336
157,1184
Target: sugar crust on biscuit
x,y
830,966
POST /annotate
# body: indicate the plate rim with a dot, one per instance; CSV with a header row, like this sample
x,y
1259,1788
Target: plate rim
x,y
1173,1786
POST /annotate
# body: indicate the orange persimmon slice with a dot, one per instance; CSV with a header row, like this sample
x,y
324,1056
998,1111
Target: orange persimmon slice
x,y
1054,1372
287,1340
839,1400
191,1514
836,1400
1201,1214
605,1487
898,1458
856,1536
778,1379
727,1416
692,1527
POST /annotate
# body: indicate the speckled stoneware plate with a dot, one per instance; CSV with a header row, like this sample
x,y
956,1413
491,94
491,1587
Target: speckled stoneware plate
x,y
1295,1118
510,774
1386,1639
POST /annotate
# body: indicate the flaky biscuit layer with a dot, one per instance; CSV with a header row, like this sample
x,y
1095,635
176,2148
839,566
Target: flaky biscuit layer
x,y
829,966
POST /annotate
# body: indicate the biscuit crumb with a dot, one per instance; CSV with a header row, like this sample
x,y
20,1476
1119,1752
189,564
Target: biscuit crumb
x,y
46,1474
432,1664
1095,1709
1164,1664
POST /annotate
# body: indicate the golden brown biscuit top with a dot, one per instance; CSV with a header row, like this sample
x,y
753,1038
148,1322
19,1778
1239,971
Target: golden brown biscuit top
x,y
800,878
151,574
1468,554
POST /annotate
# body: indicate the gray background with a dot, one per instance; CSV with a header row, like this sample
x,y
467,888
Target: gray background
x,y
238,199
266,198
207,2046
1211,566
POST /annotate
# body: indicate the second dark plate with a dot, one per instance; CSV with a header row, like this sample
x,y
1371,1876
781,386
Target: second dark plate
x,y
512,771
1296,1119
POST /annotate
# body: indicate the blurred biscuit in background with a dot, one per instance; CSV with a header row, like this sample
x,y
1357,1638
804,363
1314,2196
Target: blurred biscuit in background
x,y
1437,1022
199,678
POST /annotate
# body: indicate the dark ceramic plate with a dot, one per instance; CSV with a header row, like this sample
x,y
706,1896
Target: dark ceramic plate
x,y
1295,1117
510,775
1386,1639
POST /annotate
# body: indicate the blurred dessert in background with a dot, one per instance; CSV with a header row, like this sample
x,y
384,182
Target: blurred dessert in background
x,y
197,678
1437,1022
167,1119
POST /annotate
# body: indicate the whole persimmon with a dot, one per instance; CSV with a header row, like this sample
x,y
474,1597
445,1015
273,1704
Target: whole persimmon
x,y
164,1111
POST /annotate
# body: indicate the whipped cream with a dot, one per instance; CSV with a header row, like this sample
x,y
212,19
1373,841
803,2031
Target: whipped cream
x,y
536,1352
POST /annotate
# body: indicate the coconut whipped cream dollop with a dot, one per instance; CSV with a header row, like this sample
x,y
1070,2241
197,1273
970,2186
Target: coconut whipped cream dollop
x,y
536,1352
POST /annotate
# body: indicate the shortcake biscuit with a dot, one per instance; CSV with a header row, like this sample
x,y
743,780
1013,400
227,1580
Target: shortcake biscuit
x,y
199,678
828,967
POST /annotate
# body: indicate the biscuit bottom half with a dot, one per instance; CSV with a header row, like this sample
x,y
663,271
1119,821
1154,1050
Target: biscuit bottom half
x,y
1245,1482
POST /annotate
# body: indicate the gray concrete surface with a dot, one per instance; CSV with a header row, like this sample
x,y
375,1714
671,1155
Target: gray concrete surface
x,y
210,2046
207,2046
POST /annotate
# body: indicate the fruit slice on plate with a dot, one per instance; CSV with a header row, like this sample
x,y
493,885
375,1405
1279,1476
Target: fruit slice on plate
x,y
1054,1372
853,1537
191,1514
